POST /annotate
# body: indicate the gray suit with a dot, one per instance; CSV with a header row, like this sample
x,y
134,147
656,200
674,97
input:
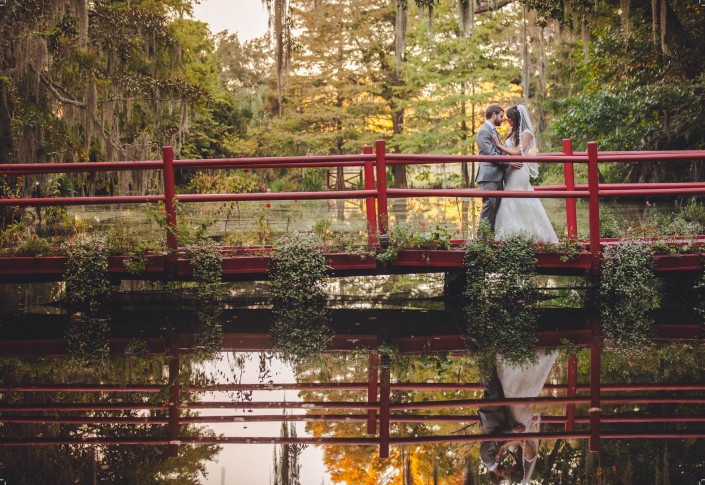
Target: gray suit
x,y
490,175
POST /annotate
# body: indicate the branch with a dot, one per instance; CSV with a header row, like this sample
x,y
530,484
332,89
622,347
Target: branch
x,y
54,88
491,6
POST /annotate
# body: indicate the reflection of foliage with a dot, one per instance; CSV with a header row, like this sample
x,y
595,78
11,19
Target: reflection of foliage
x,y
87,340
105,464
287,469
644,460
500,294
420,464
627,294
206,261
300,323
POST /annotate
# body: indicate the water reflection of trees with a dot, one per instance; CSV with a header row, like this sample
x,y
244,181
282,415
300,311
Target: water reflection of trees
x,y
77,463
560,461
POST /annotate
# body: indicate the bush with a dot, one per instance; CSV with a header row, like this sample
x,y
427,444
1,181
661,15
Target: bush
x,y
301,321
500,295
627,295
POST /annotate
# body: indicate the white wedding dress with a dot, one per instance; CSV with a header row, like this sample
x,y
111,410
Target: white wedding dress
x,y
526,382
522,216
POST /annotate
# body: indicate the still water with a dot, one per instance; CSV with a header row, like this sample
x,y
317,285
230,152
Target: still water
x,y
406,317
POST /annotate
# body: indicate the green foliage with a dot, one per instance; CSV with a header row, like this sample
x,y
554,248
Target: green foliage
x,y
88,287
300,320
88,291
567,248
223,182
500,297
207,263
407,237
16,240
626,296
186,232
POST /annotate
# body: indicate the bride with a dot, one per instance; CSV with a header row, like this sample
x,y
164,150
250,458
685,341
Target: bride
x,y
525,216
527,381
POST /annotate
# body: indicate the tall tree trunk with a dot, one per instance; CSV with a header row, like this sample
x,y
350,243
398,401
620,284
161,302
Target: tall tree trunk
x,y
525,66
540,108
586,38
654,21
662,23
624,14
398,171
400,25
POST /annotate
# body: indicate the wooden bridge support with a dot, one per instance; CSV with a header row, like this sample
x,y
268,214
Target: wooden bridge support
x,y
384,381
571,391
569,177
595,411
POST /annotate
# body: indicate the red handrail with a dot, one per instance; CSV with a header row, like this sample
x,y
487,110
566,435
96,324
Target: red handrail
x,y
376,190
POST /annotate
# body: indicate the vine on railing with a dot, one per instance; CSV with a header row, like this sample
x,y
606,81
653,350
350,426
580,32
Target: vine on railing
x,y
301,321
88,292
627,295
500,296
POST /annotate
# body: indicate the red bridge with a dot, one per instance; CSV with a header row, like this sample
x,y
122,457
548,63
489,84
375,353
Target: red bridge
x,y
375,194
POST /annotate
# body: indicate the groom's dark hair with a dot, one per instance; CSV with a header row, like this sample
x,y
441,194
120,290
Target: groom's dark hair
x,y
493,109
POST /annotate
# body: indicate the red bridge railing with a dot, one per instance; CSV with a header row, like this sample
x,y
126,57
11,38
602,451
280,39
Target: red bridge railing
x,y
376,193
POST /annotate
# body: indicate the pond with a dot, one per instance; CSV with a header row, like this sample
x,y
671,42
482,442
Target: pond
x,y
407,328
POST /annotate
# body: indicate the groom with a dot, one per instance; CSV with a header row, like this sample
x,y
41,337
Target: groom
x,y
490,175
495,420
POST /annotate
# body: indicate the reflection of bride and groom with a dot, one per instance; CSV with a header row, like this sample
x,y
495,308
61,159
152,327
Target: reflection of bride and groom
x,y
506,217
511,381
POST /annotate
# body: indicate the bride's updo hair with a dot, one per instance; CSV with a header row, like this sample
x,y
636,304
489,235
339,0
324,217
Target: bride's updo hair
x,y
515,116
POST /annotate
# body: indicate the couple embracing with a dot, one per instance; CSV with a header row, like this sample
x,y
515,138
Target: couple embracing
x,y
511,215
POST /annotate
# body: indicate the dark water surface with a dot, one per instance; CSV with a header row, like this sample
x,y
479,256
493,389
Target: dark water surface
x,y
406,317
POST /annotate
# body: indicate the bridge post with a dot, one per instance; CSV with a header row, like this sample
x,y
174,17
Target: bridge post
x,y
169,197
382,211
173,407
594,204
571,392
372,377
370,201
569,177
385,367
595,411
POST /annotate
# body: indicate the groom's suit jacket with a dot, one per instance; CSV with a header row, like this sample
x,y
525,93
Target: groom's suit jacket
x,y
489,171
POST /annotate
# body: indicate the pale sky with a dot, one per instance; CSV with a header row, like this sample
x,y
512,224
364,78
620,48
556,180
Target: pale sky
x,y
246,17
252,464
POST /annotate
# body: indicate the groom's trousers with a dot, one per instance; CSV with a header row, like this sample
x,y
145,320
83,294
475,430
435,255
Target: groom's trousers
x,y
490,205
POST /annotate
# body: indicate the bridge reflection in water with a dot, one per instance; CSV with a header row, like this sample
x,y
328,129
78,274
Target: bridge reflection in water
x,y
580,402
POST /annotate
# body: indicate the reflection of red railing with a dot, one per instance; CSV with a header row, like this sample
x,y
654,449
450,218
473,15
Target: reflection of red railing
x,y
376,193
381,411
